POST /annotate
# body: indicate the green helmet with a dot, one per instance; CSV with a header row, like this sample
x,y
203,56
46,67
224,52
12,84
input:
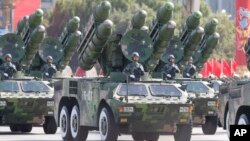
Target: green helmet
x,y
136,54
8,55
49,58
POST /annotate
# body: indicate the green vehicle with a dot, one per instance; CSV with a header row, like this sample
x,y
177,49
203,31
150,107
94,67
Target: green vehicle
x,y
26,98
144,109
112,104
26,103
205,105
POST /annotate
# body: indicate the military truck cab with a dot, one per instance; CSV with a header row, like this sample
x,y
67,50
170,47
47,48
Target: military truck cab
x,y
26,103
205,105
144,109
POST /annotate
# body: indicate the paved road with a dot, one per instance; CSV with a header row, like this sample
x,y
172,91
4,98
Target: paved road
x,y
37,135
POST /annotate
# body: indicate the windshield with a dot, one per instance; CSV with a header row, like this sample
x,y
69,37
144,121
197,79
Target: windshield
x,y
197,87
8,86
34,86
133,90
164,90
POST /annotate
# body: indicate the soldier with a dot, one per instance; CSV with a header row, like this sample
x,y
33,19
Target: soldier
x,y
48,69
7,69
169,70
189,69
134,70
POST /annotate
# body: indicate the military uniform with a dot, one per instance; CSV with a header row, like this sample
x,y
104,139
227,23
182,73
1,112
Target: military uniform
x,y
48,70
189,71
169,71
7,70
134,70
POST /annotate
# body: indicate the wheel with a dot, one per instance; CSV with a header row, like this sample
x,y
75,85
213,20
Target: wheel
x,y
210,126
227,125
243,120
78,133
138,136
107,126
183,132
26,128
49,127
65,124
14,128
152,136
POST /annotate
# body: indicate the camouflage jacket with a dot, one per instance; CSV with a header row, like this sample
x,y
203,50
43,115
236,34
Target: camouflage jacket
x,y
48,70
169,71
135,69
189,71
8,68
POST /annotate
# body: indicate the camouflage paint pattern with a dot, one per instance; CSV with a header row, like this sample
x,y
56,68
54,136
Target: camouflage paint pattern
x,y
21,107
150,114
202,108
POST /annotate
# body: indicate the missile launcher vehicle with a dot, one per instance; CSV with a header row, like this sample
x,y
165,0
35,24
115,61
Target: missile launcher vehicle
x,y
24,101
112,104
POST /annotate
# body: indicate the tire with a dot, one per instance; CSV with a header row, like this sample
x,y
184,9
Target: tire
x,y
78,133
227,124
14,128
210,126
49,127
64,121
152,136
107,127
243,120
26,128
183,132
138,136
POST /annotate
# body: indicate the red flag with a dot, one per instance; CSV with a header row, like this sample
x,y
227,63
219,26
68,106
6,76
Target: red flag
x,y
206,70
225,68
216,68
233,67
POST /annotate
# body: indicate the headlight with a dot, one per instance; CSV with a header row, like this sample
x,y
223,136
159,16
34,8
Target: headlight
x,y
3,103
126,109
211,103
50,103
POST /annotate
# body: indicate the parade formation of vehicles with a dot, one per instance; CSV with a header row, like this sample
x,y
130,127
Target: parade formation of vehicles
x,y
112,104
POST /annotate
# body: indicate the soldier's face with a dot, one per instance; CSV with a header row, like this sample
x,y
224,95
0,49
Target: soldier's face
x,y
171,60
136,58
49,61
8,59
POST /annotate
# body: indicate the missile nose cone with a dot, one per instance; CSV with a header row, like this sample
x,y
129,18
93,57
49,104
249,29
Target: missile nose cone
x,y
214,21
106,5
216,35
78,33
26,17
39,12
197,14
142,13
41,28
169,6
171,24
108,24
200,30
76,19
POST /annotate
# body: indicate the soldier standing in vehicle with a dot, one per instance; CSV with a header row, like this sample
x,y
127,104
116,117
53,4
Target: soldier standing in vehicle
x,y
48,69
7,69
169,70
134,70
189,69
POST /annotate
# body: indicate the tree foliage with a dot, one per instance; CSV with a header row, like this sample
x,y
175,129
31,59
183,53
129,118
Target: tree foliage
x,y
123,10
